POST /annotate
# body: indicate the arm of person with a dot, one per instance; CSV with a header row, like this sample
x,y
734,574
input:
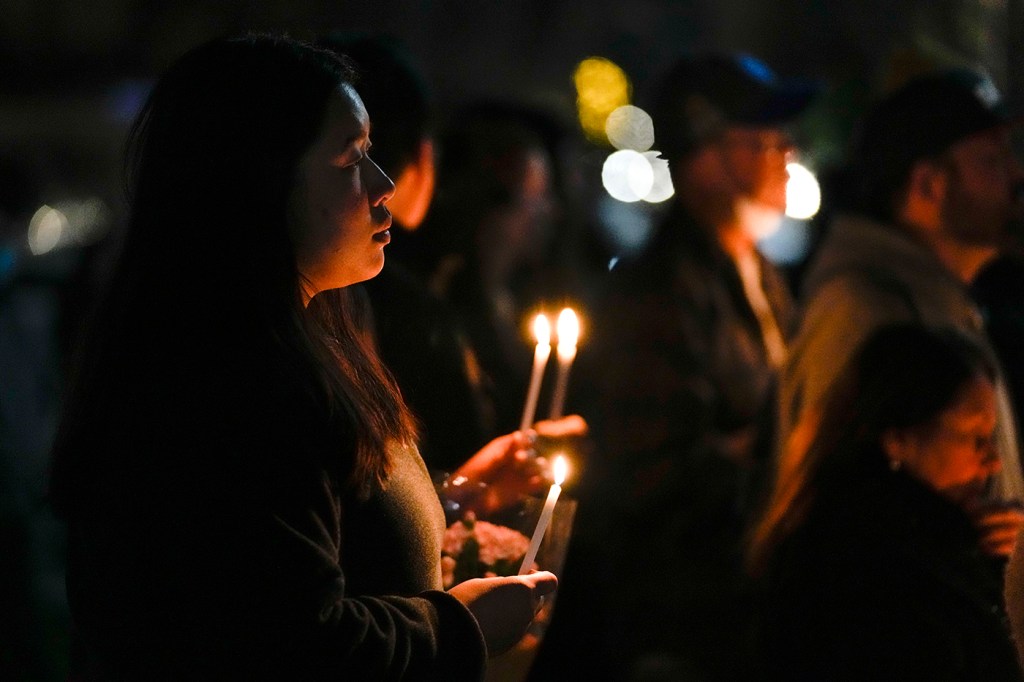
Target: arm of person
x,y
254,572
507,468
274,591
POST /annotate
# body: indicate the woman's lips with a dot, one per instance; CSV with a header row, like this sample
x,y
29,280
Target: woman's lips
x,y
384,235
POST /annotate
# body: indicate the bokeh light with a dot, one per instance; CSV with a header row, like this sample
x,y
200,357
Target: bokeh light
x,y
88,220
662,188
627,175
789,244
45,230
630,127
601,88
803,194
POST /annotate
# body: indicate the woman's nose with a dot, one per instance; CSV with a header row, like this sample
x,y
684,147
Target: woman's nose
x,y
381,188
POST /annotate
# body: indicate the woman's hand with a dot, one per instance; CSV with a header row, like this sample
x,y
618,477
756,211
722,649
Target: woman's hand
x,y
504,607
508,468
499,474
571,426
998,527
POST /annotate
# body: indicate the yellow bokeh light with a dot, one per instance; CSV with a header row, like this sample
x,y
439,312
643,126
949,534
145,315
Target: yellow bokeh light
x,y
601,88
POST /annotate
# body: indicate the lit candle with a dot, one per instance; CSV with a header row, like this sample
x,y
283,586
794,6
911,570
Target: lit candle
x,y
541,330
559,469
568,332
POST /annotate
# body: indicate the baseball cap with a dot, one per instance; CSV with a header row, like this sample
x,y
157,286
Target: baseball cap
x,y
921,119
701,95
928,115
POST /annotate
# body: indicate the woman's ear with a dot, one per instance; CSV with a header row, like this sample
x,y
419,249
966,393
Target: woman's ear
x,y
899,446
928,180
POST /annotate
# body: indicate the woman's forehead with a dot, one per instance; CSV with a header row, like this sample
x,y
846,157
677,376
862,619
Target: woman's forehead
x,y
346,120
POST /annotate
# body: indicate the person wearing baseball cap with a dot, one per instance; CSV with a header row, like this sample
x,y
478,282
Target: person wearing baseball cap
x,y
693,330
934,185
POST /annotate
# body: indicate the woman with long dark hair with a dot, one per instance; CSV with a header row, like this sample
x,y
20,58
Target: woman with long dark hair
x,y
877,555
238,472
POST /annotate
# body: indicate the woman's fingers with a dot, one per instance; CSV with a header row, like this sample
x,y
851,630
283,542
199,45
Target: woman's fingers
x,y
999,529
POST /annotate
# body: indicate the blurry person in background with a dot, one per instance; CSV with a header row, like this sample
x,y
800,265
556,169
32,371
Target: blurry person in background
x,y
877,556
692,333
934,192
418,335
238,472
488,239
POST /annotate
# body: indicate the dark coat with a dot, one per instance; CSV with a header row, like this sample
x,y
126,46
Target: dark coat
x,y
422,344
684,418
216,541
884,581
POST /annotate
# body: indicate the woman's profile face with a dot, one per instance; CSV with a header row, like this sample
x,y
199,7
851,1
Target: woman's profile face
x,y
339,223
955,454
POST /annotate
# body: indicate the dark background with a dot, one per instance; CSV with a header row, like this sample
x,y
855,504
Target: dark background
x,y
73,72
71,69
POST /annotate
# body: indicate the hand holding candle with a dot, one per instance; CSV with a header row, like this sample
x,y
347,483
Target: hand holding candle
x,y
542,331
560,469
568,328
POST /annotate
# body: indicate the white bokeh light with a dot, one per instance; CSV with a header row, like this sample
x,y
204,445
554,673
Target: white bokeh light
x,y
627,175
662,188
45,230
630,127
803,194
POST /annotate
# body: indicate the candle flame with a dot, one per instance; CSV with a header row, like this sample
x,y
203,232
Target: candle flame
x,y
568,330
542,330
560,469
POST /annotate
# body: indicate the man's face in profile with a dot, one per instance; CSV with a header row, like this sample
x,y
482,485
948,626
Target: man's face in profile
x,y
984,178
756,159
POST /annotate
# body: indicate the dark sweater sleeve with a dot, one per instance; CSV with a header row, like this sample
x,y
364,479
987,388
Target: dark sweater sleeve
x,y
305,606
238,575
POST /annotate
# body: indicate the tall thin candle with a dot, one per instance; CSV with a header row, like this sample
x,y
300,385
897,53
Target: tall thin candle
x,y
568,328
559,469
542,331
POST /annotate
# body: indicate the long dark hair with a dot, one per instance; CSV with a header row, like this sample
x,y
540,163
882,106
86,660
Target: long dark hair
x,y
903,375
206,284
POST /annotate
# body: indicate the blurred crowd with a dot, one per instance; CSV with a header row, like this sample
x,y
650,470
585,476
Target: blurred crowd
x,y
807,472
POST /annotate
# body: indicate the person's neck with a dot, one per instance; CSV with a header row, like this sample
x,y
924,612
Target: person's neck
x,y
735,239
964,261
723,222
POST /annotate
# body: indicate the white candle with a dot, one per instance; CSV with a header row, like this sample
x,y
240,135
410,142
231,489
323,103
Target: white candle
x,y
568,328
560,469
541,330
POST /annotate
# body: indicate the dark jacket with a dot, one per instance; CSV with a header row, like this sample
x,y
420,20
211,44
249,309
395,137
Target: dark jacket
x,y
421,342
685,409
224,546
884,581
